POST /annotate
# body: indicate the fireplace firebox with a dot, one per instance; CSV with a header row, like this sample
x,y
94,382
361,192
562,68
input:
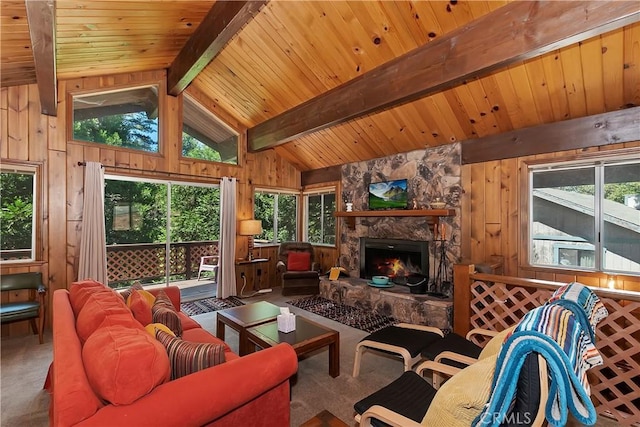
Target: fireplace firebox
x,y
393,258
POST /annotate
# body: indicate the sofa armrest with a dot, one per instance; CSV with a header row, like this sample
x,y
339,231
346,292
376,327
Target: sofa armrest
x,y
207,395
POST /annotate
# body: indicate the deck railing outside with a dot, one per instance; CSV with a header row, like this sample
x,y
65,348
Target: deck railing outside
x,y
147,261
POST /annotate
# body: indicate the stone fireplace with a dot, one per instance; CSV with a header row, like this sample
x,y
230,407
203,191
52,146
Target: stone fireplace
x,y
393,257
431,173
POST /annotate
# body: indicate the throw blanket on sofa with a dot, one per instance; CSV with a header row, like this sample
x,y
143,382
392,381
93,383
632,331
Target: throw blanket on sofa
x,y
584,304
556,334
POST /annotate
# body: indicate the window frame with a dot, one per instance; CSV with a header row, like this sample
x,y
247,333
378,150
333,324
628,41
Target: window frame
x,y
161,88
200,105
37,210
276,192
305,215
598,161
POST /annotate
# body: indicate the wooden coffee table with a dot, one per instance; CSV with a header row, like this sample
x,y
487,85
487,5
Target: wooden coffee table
x,y
242,317
307,337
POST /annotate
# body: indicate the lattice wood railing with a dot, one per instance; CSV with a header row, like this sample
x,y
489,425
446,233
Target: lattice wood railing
x,y
147,261
497,302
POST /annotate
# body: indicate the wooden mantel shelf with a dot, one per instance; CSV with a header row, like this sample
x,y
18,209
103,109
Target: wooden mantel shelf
x,y
432,215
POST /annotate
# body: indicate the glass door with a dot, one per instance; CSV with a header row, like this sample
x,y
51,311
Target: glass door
x,y
157,231
195,228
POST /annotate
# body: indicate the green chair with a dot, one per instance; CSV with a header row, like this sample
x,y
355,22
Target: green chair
x,y
30,308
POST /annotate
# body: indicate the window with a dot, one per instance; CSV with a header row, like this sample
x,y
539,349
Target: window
x,y
586,215
126,118
320,222
18,214
278,211
204,136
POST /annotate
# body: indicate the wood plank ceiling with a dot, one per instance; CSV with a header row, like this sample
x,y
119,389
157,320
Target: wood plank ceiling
x,y
293,51
16,57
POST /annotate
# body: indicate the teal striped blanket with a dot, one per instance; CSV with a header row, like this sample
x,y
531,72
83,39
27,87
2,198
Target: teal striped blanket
x,y
557,334
584,304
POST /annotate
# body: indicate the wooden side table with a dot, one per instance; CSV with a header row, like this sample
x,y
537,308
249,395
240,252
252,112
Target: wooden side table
x,y
242,275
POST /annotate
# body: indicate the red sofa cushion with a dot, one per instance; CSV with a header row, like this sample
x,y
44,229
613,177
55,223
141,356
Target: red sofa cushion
x,y
298,261
123,364
103,310
139,305
127,292
79,293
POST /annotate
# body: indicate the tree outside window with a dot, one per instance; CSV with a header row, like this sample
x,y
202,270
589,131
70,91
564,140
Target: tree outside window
x,y
278,212
320,224
127,118
17,225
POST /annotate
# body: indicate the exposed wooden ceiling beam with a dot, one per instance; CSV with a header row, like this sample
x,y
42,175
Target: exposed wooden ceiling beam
x,y
316,176
222,22
512,33
601,129
41,16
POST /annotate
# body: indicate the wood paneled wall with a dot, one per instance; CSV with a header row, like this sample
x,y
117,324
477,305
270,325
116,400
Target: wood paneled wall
x,y
28,136
492,218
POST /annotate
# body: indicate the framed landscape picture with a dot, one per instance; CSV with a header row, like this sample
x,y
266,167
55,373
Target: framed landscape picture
x,y
388,195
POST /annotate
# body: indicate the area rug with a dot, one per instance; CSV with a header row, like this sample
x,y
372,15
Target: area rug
x,y
208,305
347,315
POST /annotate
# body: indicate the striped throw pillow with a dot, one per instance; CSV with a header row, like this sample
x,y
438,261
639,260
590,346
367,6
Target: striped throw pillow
x,y
188,357
164,312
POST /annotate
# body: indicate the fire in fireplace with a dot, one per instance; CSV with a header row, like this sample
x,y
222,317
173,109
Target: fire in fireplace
x,y
393,258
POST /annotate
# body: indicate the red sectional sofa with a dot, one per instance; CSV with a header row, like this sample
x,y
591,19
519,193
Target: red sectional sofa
x,y
251,390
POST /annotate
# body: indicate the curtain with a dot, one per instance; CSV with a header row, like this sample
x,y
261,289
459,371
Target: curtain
x,y
227,244
93,251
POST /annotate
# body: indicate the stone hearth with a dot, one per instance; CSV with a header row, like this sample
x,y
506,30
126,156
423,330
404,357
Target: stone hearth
x,y
397,302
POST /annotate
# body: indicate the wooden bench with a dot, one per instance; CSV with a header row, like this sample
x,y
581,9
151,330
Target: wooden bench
x,y
21,305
